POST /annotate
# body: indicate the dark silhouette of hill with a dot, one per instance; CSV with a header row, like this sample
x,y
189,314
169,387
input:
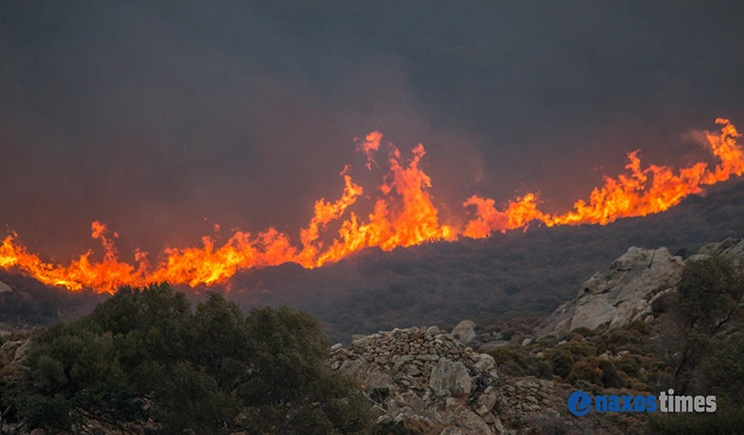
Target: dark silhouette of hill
x,y
529,272
518,272
32,303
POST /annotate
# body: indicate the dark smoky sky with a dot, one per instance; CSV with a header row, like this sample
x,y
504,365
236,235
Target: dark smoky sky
x,y
164,118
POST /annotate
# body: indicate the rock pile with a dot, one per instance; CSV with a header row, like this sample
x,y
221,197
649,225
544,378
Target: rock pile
x,y
13,348
429,382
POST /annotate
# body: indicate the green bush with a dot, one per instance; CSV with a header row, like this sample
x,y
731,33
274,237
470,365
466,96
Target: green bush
x,y
562,361
587,370
580,348
629,365
709,293
542,369
144,354
638,327
510,360
611,378
710,305
584,332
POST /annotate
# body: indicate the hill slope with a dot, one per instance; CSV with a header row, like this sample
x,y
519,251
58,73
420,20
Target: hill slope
x,y
440,283
516,272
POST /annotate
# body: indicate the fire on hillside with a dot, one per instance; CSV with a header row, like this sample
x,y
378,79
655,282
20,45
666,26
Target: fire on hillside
x,y
403,214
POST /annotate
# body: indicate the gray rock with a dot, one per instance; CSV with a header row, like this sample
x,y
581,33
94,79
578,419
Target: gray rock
x,y
351,367
618,295
413,401
464,331
493,421
484,362
450,379
462,417
358,339
5,287
378,380
485,402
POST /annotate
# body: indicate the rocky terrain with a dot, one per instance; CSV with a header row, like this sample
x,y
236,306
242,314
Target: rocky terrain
x,y
428,381
628,289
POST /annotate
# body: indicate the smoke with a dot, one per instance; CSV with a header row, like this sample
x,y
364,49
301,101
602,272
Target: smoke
x,y
164,120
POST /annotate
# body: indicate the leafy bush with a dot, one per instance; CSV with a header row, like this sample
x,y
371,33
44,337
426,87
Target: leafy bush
x,y
144,354
562,361
709,294
510,360
638,327
611,378
587,370
584,332
710,297
620,339
542,369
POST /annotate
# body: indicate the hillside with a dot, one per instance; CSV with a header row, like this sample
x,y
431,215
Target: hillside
x,y
507,274
648,326
517,272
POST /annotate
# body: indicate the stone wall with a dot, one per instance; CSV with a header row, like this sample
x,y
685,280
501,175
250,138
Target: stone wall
x,y
429,382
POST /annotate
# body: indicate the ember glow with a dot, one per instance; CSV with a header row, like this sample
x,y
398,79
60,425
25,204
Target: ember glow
x,y
403,214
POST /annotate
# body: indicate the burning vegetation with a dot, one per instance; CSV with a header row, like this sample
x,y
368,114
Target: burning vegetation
x,y
403,214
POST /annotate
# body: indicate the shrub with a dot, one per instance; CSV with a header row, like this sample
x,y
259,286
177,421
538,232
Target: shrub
x,y
542,369
710,296
510,360
638,327
621,339
610,376
629,365
144,354
587,370
580,348
584,332
562,362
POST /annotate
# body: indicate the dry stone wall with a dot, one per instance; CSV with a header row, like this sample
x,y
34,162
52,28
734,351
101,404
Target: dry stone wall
x,y
430,382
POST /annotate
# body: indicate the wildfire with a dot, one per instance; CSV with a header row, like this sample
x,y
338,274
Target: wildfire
x,y
404,214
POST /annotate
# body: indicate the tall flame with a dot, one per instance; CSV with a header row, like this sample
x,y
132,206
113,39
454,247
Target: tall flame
x,y
404,214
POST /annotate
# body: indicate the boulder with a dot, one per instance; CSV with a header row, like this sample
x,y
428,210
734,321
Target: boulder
x,y
618,295
450,379
732,249
464,331
484,363
464,419
485,402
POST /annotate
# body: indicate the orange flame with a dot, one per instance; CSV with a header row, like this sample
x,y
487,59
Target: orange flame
x,y
656,188
404,214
